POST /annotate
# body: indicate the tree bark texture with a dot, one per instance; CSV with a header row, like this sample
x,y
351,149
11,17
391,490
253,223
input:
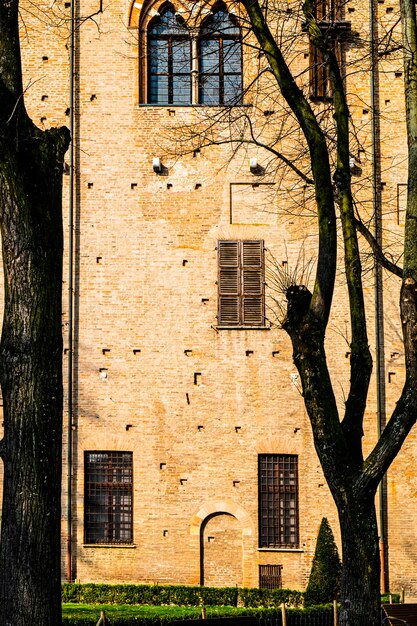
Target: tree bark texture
x,y
360,586
31,377
31,167
343,469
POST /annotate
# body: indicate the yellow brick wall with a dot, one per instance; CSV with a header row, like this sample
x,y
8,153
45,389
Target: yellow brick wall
x,y
145,306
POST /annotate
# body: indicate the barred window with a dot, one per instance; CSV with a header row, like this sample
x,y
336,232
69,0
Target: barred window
x,y
108,498
241,283
270,576
278,501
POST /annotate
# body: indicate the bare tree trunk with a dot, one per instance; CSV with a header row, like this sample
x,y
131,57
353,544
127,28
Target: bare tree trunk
x,y
361,565
31,377
31,166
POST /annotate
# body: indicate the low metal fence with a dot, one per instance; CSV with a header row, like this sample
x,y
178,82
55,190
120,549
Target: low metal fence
x,y
300,618
288,617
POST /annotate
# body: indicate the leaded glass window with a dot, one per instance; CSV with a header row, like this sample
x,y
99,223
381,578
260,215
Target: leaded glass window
x,y
220,57
169,53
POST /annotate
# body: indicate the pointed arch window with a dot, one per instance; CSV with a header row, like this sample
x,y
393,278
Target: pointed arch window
x,y
220,59
169,53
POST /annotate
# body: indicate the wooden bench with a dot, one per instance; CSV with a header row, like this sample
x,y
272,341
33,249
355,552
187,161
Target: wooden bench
x,y
399,614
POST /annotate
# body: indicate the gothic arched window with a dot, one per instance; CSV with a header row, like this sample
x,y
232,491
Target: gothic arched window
x,y
169,54
220,59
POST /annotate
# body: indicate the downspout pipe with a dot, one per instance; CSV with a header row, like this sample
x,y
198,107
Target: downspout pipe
x,y
378,296
70,291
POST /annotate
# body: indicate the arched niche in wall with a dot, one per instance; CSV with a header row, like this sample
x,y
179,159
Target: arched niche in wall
x,y
222,528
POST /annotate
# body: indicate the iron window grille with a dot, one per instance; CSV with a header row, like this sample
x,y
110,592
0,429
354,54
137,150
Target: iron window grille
x,y
108,514
278,501
270,576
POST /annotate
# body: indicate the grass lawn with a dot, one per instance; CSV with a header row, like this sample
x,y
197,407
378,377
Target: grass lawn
x,y
130,610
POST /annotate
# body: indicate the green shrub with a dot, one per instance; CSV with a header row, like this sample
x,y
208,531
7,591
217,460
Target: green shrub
x,y
385,598
324,583
179,595
270,597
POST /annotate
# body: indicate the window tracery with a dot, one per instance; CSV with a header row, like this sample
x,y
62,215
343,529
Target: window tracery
x,y
190,61
169,54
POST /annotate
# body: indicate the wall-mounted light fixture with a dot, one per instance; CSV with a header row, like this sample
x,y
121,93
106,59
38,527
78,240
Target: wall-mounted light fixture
x,y
157,165
253,165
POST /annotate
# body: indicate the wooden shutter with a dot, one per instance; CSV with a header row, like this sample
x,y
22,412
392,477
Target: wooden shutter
x,y
241,283
327,10
229,283
252,283
320,87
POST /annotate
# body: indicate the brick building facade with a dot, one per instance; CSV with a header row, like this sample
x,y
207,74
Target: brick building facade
x,y
192,458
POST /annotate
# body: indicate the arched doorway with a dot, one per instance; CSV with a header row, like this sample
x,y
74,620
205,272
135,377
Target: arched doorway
x,y
221,551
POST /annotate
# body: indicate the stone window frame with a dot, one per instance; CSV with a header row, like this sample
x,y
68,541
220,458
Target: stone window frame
x,y
139,18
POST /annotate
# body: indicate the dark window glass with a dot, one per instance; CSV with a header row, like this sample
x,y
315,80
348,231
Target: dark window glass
x,y
278,501
241,283
220,55
108,497
169,51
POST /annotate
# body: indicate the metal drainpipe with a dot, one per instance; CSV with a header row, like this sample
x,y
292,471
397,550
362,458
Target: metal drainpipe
x,y
378,304
70,291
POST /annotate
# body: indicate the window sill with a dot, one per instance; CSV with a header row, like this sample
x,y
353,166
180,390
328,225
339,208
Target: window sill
x,y
109,545
242,327
193,106
298,550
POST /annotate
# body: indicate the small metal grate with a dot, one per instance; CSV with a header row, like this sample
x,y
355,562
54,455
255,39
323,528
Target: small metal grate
x,y
108,497
270,576
278,501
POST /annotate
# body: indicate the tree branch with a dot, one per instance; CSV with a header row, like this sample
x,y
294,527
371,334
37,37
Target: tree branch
x,y
377,251
405,413
390,442
279,155
310,359
11,87
319,158
361,361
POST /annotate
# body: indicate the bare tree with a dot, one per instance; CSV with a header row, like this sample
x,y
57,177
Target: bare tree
x,y
31,166
352,479
323,135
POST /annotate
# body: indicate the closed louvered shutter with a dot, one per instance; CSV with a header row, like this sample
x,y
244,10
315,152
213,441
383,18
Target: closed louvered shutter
x,y
252,283
241,283
229,283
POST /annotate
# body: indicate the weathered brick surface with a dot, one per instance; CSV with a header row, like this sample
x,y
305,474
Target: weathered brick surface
x,y
145,293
